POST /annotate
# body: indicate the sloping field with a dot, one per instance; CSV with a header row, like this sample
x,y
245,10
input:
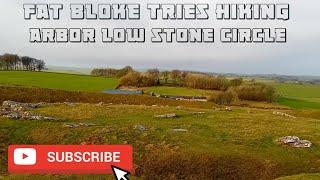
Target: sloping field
x,y
70,82
34,95
302,96
242,141
292,95
298,91
220,142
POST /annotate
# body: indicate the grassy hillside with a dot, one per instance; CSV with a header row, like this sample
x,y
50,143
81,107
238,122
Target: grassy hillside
x,y
299,96
239,141
35,95
298,103
56,81
68,70
297,91
293,95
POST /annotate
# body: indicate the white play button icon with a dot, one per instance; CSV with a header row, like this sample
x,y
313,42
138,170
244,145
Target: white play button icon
x,y
25,156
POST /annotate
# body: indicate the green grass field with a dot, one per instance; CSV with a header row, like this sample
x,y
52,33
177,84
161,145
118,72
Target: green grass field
x,y
56,81
239,134
293,95
299,96
297,91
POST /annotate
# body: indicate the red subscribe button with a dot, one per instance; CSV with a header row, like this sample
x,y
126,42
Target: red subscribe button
x,y
69,159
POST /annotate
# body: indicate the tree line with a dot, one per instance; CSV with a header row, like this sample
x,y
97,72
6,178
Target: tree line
x,y
112,72
153,77
15,62
229,89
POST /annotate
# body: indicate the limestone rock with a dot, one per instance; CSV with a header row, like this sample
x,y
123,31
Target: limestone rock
x,y
227,109
295,141
173,115
180,130
73,125
70,125
283,114
140,127
19,106
70,104
198,113
100,104
16,110
13,115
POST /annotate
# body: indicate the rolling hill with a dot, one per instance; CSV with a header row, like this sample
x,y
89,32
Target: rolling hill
x,y
50,80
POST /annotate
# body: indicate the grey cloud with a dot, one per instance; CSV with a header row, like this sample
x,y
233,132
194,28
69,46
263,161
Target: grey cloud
x,y
299,56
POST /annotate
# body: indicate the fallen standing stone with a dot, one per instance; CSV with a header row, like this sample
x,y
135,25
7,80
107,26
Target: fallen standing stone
x,y
87,124
227,109
198,113
283,114
295,141
70,104
69,125
100,104
72,125
173,115
180,130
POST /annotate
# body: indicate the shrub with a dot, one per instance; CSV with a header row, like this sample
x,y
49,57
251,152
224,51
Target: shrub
x,y
131,79
124,71
200,81
137,79
236,82
223,98
154,74
110,72
255,92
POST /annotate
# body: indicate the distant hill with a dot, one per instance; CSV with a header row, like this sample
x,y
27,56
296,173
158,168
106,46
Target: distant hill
x,y
69,70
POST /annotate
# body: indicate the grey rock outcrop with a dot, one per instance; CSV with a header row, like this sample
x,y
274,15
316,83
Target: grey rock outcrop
x,y
17,105
16,110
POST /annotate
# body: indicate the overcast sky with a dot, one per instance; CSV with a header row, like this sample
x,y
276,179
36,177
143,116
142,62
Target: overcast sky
x,y
299,56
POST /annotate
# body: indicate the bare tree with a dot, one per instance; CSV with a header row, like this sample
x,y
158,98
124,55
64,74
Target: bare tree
x,y
165,75
154,74
26,62
14,62
40,65
175,76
